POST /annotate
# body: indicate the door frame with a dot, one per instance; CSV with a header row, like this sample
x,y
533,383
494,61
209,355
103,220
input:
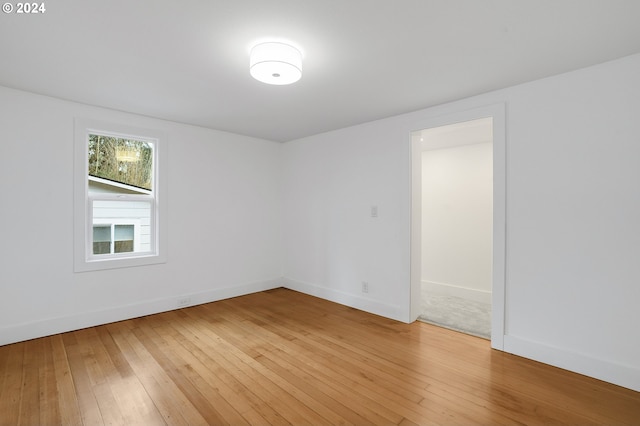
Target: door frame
x,y
498,286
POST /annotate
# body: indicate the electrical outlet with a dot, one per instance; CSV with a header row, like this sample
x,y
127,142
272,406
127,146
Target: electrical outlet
x,y
185,301
365,287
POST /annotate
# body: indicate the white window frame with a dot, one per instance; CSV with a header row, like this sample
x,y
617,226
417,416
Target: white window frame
x,y
84,259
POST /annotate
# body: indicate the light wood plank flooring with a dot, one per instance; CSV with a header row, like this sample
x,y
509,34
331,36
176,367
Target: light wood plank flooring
x,y
281,357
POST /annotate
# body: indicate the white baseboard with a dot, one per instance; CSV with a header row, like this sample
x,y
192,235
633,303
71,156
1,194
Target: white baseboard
x,y
443,289
32,330
364,304
621,375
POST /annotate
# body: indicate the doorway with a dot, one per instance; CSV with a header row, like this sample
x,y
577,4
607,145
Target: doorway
x,y
457,211
495,291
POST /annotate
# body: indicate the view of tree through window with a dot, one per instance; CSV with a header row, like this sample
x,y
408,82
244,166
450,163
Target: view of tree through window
x,y
127,161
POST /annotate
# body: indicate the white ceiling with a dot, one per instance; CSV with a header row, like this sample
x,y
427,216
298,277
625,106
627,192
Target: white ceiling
x,y
187,60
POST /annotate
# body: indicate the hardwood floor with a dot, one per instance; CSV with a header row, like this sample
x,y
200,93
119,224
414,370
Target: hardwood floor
x,y
281,357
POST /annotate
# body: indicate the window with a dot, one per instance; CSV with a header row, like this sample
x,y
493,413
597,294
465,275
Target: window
x,y
117,196
109,238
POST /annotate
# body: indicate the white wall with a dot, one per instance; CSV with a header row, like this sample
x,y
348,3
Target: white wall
x,y
572,270
332,244
457,201
224,221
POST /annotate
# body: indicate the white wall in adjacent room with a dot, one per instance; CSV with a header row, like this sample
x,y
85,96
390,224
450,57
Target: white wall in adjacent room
x,y
457,201
223,210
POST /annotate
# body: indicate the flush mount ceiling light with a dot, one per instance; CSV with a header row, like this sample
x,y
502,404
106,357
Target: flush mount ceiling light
x,y
275,63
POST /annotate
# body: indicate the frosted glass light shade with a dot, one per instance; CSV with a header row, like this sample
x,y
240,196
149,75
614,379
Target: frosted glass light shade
x,y
275,63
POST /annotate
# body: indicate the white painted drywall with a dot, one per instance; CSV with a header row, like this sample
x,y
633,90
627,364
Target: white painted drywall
x,y
224,221
332,244
457,201
572,206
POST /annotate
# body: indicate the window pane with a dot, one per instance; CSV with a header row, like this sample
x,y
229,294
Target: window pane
x,y
123,238
123,232
123,246
124,161
101,239
102,248
101,233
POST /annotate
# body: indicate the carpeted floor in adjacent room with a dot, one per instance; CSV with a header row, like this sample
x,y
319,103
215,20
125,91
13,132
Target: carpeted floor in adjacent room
x,y
458,314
